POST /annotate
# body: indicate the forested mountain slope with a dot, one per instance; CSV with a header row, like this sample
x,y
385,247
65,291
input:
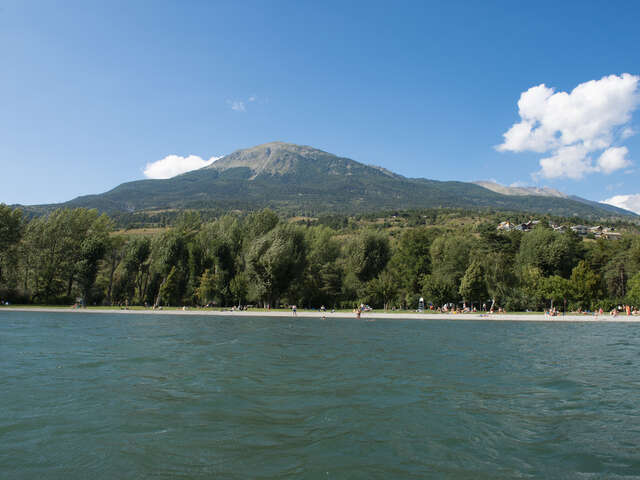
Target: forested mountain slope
x,y
294,179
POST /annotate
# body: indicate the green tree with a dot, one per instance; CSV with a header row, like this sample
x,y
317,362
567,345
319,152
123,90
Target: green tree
x,y
209,288
54,254
616,274
171,257
532,293
218,247
633,292
557,290
115,252
323,276
382,289
368,254
239,288
500,278
85,233
439,288
11,228
136,266
472,286
188,222
91,252
275,261
260,223
170,292
411,259
584,284
552,252
450,257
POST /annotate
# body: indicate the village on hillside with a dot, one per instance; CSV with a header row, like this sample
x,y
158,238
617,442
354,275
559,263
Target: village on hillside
x,y
607,233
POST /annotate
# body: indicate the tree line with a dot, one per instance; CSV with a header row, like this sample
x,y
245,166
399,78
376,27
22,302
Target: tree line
x,y
261,259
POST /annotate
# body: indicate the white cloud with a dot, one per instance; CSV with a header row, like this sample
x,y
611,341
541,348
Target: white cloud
x,y
614,158
570,127
173,165
241,105
238,106
627,132
629,202
571,162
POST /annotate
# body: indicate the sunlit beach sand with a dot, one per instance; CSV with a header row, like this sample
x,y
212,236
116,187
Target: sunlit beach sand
x,y
517,316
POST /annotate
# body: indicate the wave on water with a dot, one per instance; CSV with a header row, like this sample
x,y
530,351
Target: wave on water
x,y
115,396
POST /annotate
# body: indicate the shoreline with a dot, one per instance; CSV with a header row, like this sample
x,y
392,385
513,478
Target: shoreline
x,y
518,317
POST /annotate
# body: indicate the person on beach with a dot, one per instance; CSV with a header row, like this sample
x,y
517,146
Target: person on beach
x,y
294,310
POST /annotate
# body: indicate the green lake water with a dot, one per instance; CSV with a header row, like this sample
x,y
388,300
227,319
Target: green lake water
x,y
113,396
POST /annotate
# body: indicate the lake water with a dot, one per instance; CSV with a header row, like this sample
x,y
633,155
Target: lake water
x,y
105,396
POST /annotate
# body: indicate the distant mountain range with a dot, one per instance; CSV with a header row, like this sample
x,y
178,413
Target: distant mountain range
x,y
522,191
295,179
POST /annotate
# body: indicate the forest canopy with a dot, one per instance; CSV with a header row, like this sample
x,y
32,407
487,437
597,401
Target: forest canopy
x,y
77,255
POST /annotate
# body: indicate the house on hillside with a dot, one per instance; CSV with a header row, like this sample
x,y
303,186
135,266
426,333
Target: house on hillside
x,y
506,226
581,230
522,227
609,235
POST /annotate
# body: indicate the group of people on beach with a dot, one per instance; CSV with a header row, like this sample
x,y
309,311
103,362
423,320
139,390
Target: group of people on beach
x,y
620,309
453,308
614,312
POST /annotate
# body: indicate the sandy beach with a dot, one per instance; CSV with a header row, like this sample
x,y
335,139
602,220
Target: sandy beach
x,y
512,317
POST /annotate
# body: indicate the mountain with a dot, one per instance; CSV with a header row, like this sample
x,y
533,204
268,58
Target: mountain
x,y
522,191
296,179
547,192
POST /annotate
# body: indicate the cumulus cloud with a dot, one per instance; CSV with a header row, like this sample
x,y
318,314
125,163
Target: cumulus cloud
x,y
173,165
613,159
571,162
572,128
629,202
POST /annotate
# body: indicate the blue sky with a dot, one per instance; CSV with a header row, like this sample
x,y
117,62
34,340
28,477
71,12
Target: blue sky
x,y
92,92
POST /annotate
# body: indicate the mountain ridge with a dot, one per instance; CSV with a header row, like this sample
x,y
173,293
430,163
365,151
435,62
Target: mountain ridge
x,y
521,191
278,158
298,178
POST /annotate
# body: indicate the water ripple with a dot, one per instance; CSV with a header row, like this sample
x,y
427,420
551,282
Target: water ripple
x,y
117,396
